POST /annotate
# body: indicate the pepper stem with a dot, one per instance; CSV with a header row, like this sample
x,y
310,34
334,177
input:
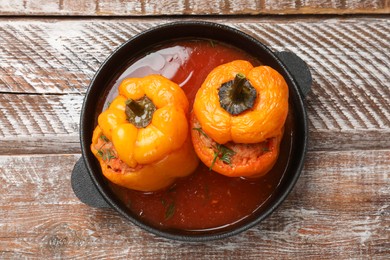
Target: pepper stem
x,y
238,86
237,95
135,107
140,112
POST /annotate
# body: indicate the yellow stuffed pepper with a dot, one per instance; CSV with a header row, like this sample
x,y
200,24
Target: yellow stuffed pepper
x,y
238,119
142,140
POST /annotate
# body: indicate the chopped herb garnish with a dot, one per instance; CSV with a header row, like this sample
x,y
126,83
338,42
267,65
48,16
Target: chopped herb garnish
x,y
265,149
169,202
109,104
214,160
222,153
128,203
108,155
100,153
101,149
172,188
200,130
212,43
104,138
226,154
170,211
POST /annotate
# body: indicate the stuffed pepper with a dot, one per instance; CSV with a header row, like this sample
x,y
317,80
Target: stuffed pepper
x,y
142,140
238,119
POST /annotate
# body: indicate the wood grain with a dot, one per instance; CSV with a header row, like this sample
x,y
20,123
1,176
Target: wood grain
x,y
46,67
339,209
189,7
325,7
39,123
340,206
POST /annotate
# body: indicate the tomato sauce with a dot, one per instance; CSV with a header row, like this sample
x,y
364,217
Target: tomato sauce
x,y
204,200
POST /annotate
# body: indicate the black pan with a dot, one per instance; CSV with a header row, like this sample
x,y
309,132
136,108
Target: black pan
x,y
90,185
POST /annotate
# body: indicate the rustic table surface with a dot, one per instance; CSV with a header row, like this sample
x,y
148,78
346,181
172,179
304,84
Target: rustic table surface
x,y
340,207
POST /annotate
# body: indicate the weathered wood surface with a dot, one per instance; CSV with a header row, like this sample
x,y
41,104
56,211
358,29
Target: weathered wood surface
x,y
46,67
339,209
189,7
39,123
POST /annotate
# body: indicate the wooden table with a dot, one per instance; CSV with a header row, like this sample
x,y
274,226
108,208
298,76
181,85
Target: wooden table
x,y
340,207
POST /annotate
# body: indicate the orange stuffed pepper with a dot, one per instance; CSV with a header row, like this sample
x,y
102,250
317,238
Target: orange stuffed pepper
x,y
238,119
142,140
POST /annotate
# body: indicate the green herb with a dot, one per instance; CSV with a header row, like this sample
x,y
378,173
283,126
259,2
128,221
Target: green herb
x,y
214,160
104,138
169,208
222,153
170,211
226,154
108,155
109,104
100,150
172,188
169,203
212,43
265,149
128,203
200,130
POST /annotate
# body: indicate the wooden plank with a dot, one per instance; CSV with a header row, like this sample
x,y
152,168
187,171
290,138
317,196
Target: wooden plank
x,y
189,7
339,209
39,123
50,124
325,7
46,66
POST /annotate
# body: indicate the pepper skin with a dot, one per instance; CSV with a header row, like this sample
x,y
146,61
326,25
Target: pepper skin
x,y
152,157
263,121
253,137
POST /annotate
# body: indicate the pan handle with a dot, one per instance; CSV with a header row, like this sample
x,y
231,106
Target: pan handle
x,y
298,69
83,187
